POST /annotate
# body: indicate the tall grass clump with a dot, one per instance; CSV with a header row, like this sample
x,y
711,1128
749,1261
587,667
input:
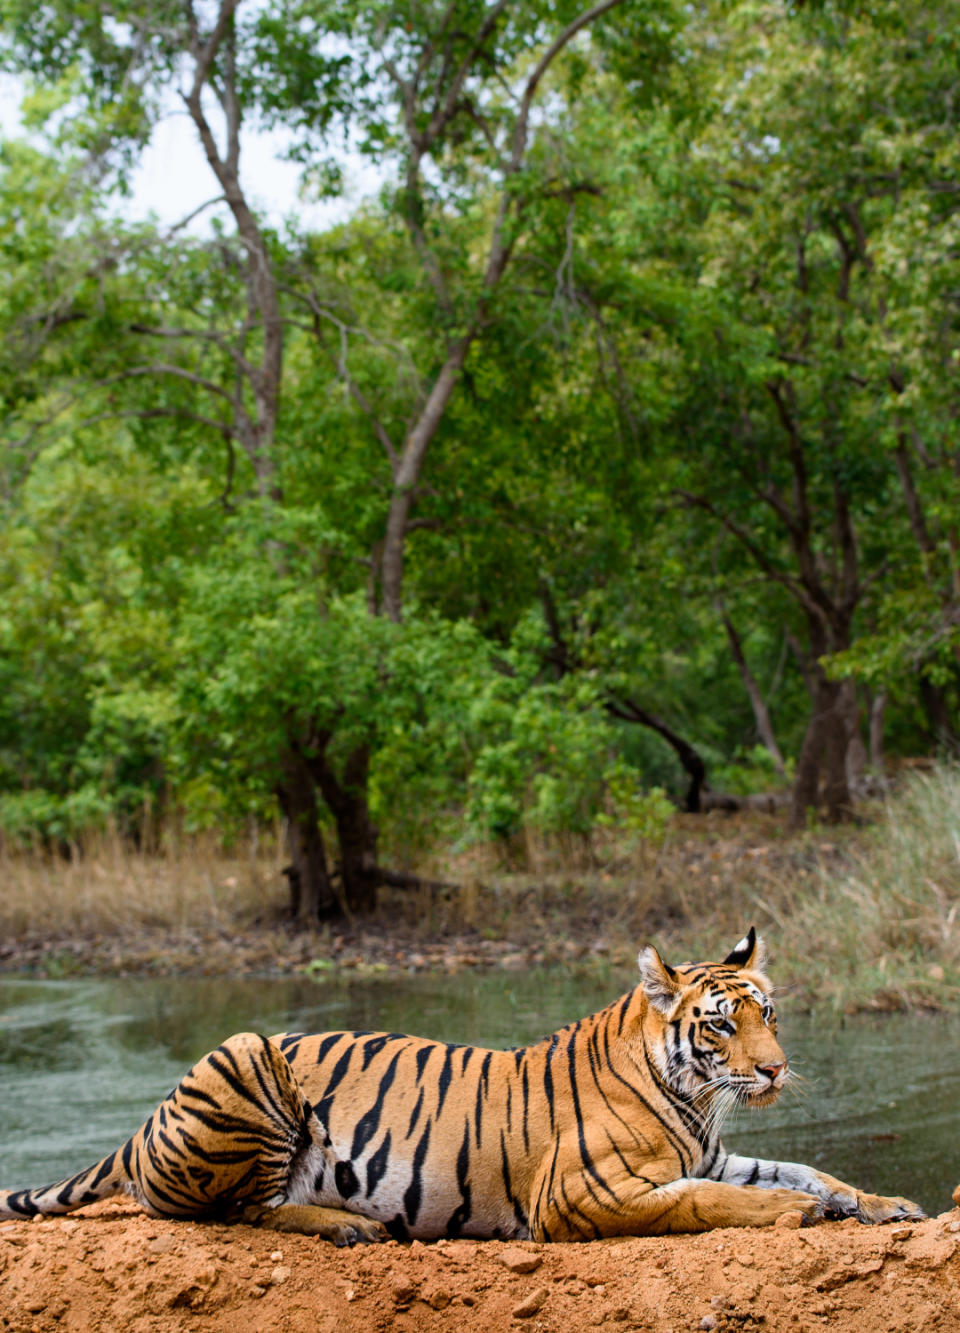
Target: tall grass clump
x,y
882,930
107,886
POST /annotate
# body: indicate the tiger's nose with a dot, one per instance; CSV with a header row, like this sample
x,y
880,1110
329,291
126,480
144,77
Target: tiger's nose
x,y
772,1071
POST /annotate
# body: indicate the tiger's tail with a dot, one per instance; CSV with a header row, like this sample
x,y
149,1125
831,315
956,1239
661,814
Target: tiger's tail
x,y
103,1180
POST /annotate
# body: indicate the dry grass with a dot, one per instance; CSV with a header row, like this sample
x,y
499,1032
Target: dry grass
x,y
884,930
108,886
694,894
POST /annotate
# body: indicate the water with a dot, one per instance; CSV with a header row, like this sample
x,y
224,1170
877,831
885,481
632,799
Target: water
x,y
82,1064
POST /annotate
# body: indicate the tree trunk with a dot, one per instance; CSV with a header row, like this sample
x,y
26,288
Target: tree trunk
x,y
346,799
311,893
936,705
878,706
824,746
357,835
856,758
836,786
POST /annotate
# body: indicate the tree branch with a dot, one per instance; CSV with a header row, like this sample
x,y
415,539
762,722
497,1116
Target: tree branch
x,y
794,587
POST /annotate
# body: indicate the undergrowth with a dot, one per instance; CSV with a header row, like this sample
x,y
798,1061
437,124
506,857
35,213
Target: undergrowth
x,y
859,917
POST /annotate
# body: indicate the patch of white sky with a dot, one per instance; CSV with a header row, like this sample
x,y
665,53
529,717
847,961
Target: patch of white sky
x,y
173,179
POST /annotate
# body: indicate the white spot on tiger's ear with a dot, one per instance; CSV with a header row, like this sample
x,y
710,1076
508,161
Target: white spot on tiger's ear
x,y
748,954
661,984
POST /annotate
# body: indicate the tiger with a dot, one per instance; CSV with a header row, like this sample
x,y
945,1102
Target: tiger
x,y
608,1127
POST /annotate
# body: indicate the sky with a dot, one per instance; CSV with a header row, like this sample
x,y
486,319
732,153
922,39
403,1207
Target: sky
x,y
173,178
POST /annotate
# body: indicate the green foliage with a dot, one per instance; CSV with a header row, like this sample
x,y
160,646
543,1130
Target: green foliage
x,y
543,749
752,771
718,380
263,657
642,815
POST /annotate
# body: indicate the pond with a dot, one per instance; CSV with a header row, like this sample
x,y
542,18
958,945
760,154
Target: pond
x,y
83,1062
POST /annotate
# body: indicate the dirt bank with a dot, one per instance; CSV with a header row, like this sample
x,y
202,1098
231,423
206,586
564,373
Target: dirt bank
x,y
113,1268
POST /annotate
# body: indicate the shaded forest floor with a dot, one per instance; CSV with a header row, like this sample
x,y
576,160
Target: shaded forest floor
x,y
113,1268
859,917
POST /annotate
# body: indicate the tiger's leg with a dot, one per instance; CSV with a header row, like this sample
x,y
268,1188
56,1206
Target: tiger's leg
x,y
235,1137
837,1198
579,1209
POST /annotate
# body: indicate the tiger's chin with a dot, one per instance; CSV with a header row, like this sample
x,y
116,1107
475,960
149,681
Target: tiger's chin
x,y
766,1098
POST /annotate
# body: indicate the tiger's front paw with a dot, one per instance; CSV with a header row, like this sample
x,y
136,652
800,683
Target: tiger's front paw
x,y
874,1208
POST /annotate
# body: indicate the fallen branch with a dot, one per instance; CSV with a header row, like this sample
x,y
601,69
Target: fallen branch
x,y
400,879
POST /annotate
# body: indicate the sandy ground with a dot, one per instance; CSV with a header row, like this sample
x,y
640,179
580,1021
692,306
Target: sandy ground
x,y
113,1268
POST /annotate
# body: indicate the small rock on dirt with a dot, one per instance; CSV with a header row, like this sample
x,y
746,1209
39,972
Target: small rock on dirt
x,y
708,1323
531,1304
402,1290
791,1221
520,1261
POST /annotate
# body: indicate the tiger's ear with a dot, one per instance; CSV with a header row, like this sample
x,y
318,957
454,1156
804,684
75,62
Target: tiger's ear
x,y
749,954
660,982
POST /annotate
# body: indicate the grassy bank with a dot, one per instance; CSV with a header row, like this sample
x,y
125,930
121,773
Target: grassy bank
x,y
858,917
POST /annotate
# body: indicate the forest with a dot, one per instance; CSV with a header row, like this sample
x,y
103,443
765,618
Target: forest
x,y
603,461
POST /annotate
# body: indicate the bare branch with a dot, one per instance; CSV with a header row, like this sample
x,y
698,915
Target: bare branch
x,y
918,524
543,64
206,54
499,253
155,413
758,703
794,586
162,368
801,514
356,393
445,113
564,276
231,105
185,222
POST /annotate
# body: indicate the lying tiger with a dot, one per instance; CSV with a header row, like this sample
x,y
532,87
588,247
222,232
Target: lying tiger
x,y
610,1127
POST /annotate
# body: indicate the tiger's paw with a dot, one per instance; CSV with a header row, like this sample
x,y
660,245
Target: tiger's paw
x,y
358,1231
333,1224
875,1208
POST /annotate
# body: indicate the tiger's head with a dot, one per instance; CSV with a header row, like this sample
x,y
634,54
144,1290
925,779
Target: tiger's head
x,y
711,1028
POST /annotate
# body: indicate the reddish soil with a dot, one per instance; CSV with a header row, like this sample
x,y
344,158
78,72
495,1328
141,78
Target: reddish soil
x,y
113,1268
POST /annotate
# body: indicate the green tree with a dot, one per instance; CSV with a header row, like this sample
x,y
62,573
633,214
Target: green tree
x,y
426,90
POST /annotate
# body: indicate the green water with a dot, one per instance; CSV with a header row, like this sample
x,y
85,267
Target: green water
x,y
82,1063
